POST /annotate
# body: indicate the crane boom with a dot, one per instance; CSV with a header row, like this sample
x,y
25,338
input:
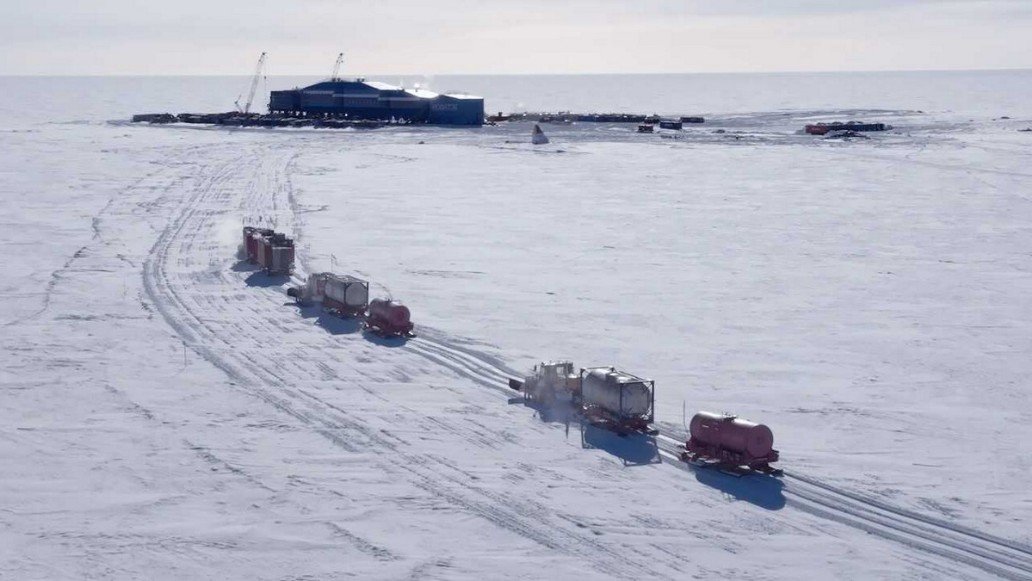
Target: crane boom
x,y
254,85
336,67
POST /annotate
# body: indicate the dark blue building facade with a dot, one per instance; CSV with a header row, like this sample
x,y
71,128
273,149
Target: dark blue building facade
x,y
361,99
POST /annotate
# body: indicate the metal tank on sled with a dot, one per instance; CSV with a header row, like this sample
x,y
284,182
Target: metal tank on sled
x,y
341,295
618,401
731,444
389,318
603,396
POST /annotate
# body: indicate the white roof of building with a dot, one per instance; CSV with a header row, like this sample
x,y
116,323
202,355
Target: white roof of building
x,y
382,86
422,93
462,96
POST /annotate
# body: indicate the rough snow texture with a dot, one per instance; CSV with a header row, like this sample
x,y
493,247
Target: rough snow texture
x,y
168,413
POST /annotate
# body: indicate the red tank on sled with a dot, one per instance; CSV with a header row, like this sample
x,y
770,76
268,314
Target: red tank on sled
x,y
389,318
730,443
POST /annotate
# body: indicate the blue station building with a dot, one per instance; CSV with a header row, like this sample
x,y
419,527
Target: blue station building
x,y
370,100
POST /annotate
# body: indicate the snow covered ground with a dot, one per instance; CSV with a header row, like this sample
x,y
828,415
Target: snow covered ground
x,y
168,413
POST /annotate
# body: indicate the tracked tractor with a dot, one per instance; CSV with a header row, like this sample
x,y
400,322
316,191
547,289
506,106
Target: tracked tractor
x,y
549,383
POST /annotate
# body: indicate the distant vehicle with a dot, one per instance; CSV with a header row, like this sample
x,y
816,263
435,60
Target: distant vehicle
x,y
646,128
824,128
272,251
670,124
348,297
607,398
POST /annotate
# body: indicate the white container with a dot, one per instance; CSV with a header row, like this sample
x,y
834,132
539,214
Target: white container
x,y
347,290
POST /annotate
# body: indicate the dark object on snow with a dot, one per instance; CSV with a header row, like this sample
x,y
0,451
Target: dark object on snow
x,y
154,118
670,124
824,128
692,120
845,134
646,128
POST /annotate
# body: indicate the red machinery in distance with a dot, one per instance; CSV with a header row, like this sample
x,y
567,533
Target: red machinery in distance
x,y
270,250
347,296
730,443
252,234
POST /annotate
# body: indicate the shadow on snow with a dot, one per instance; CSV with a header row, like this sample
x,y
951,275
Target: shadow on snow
x,y
632,449
762,490
384,341
260,279
336,325
244,266
344,325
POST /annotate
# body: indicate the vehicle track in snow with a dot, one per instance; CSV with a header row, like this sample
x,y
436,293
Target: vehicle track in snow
x,y
994,555
1001,557
211,325
228,326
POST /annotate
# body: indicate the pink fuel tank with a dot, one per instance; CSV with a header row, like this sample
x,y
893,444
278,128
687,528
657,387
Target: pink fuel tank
x,y
394,313
732,433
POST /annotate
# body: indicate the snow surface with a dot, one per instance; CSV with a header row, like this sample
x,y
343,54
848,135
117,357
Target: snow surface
x,y
168,413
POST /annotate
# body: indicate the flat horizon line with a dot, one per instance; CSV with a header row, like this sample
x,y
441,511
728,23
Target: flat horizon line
x,y
495,74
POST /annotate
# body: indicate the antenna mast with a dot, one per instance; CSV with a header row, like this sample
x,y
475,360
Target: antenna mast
x,y
336,67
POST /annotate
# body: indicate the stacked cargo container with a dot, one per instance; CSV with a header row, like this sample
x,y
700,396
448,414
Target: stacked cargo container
x,y
270,250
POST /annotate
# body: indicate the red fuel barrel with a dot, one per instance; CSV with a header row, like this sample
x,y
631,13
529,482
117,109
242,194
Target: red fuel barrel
x,y
732,433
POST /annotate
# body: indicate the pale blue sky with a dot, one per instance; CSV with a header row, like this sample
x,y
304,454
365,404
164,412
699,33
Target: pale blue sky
x,y
303,37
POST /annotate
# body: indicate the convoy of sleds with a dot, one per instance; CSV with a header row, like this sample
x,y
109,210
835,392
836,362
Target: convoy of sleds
x,y
604,397
624,403
344,296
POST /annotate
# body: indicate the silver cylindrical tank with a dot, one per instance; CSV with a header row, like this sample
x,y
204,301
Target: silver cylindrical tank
x,y
347,290
616,392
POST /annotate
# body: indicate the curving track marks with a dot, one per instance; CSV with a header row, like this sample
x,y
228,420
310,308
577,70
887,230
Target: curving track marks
x,y
228,326
1001,557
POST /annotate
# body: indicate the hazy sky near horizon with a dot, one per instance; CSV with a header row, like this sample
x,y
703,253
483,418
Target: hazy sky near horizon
x,y
303,37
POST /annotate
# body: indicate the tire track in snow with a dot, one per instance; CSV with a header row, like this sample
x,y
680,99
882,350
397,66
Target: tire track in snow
x,y
934,537
989,554
192,316
1001,557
